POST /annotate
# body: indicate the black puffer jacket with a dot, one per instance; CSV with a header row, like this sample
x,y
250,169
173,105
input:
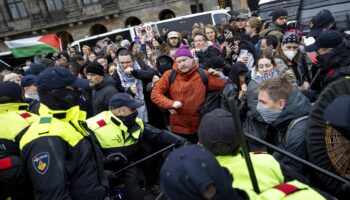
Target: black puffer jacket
x,y
101,94
205,56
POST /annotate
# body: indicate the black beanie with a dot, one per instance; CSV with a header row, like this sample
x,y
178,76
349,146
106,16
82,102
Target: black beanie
x,y
95,68
277,13
10,92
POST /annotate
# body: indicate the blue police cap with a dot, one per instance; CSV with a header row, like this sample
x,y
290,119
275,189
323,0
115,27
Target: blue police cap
x,y
124,99
58,77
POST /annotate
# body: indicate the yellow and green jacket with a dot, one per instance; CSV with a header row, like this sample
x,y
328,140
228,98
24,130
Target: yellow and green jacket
x,y
113,136
267,171
62,159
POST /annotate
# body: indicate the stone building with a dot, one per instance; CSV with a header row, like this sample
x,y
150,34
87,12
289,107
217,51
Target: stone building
x,y
76,19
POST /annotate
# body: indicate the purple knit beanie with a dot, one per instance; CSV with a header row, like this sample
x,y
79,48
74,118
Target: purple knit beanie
x,y
183,50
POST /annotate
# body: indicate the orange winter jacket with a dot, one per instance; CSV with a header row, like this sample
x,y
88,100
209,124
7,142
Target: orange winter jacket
x,y
190,90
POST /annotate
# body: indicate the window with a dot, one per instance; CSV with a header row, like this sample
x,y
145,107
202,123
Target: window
x,y
54,5
219,18
17,9
224,4
89,2
194,8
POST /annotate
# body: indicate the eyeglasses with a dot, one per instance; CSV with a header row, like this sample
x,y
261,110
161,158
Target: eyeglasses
x,y
125,63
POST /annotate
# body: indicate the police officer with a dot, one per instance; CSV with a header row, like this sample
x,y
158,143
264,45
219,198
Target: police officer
x,y
14,118
119,130
60,155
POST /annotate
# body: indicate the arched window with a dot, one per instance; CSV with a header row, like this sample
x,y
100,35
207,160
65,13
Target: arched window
x,y
17,9
166,14
97,29
132,21
65,37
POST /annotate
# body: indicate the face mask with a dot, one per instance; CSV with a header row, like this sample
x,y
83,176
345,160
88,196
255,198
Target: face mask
x,y
60,99
324,58
250,62
129,120
268,115
290,54
28,95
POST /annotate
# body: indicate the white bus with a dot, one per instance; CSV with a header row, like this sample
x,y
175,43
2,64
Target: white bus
x,y
183,23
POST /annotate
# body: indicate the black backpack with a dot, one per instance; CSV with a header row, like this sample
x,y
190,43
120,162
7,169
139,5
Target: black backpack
x,y
213,99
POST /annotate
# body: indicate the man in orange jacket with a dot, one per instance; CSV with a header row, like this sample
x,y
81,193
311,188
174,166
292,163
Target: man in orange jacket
x,y
184,96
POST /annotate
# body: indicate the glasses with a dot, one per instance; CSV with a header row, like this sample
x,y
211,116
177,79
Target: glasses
x,y
125,63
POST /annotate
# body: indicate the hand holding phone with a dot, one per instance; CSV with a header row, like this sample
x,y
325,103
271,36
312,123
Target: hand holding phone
x,y
243,53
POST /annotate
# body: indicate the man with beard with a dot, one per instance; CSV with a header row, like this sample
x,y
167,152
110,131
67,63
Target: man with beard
x,y
61,157
333,57
279,23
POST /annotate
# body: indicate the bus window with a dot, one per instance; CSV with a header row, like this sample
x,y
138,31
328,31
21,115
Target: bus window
x,y
219,18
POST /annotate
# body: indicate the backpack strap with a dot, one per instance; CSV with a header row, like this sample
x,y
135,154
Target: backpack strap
x,y
172,77
201,72
203,77
295,122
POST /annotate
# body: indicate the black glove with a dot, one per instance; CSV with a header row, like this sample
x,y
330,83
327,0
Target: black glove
x,y
115,161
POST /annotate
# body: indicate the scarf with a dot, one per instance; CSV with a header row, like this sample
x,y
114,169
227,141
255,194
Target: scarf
x,y
127,81
256,76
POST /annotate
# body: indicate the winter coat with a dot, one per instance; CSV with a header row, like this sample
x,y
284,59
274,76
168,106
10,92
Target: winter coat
x,y
102,93
204,56
336,67
294,142
272,30
189,89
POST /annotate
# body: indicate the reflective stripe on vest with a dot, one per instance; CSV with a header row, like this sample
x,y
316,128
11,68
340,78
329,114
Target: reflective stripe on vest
x,y
290,191
112,135
47,126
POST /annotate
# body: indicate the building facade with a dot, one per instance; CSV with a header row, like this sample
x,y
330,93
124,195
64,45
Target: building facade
x,y
76,19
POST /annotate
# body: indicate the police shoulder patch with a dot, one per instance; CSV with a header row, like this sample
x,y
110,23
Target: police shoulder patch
x,y
25,115
101,123
41,162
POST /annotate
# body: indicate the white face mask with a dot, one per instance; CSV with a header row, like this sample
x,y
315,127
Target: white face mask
x,y
290,54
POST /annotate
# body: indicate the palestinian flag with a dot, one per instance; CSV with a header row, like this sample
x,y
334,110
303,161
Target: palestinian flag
x,y
35,46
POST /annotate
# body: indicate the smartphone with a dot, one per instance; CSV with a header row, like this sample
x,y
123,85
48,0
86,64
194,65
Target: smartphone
x,y
243,53
230,41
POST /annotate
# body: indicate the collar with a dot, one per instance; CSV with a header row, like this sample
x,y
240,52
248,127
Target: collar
x,y
13,107
119,123
73,115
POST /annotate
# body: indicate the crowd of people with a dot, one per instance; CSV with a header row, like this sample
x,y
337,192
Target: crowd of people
x,y
72,122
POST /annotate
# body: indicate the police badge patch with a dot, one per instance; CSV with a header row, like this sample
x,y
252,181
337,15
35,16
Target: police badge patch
x,y
41,162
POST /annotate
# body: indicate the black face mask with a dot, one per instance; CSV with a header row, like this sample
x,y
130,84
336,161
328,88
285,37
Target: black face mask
x,y
324,59
60,99
129,120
